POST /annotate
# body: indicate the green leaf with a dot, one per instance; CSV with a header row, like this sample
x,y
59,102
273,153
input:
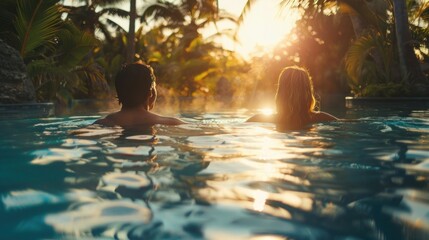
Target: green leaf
x,y
36,24
73,45
356,56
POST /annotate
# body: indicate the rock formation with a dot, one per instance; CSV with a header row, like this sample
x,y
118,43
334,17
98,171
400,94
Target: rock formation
x,y
15,86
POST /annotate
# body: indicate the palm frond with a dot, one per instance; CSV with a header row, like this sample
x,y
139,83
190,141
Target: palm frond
x,y
115,25
68,9
423,11
36,23
38,67
246,9
284,4
73,45
230,33
356,56
362,9
105,32
95,80
115,12
163,10
106,2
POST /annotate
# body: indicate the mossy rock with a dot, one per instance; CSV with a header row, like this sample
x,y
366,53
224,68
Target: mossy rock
x,y
15,86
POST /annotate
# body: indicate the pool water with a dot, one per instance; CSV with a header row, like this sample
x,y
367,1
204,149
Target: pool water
x,y
217,178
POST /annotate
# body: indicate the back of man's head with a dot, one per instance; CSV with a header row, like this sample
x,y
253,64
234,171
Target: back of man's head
x,y
134,83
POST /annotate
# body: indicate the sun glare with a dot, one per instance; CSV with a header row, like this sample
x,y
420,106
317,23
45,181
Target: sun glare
x,y
260,198
264,26
266,111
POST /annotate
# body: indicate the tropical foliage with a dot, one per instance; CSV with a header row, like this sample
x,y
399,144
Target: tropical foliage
x,y
56,52
319,43
75,51
377,67
78,49
187,61
93,16
372,61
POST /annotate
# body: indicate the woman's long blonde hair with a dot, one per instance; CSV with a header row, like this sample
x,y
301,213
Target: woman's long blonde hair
x,y
295,98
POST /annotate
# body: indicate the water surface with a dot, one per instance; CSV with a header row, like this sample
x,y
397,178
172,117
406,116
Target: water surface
x,y
217,178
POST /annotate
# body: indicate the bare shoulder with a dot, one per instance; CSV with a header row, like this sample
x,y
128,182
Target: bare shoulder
x,y
159,119
262,118
323,117
169,121
136,118
106,121
113,119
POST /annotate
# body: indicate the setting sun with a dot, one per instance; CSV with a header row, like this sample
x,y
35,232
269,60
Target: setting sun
x,y
263,27
266,111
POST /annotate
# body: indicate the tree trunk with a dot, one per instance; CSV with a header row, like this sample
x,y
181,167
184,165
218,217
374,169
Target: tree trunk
x,y
410,66
358,25
131,32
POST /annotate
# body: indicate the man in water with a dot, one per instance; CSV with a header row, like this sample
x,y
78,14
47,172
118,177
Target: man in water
x,y
136,88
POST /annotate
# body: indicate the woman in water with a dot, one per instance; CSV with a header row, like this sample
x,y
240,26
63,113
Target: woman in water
x,y
295,102
136,88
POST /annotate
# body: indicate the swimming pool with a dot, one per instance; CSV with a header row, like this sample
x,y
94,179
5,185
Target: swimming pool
x,y
218,178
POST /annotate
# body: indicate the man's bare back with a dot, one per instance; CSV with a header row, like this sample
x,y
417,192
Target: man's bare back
x,y
136,89
136,117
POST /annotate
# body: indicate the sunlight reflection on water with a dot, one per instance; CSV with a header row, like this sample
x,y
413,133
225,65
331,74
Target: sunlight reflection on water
x,y
111,215
57,154
218,179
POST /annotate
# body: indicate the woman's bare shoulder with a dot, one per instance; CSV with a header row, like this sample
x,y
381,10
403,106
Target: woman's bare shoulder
x,y
323,117
262,118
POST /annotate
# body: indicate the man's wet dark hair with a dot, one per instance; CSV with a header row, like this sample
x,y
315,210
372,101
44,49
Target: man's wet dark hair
x,y
134,83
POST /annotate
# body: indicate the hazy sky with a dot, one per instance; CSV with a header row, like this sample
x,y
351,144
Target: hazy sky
x,y
265,25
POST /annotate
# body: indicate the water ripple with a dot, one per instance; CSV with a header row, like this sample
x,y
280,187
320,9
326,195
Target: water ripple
x,y
31,198
216,179
105,215
130,180
47,156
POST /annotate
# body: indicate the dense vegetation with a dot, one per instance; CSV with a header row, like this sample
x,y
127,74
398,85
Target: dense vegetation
x,y
357,46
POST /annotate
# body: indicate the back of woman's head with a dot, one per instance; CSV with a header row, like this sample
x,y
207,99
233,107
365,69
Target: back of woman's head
x,y
134,83
295,98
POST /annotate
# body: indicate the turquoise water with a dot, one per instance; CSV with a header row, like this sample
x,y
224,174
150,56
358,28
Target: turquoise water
x,y
217,178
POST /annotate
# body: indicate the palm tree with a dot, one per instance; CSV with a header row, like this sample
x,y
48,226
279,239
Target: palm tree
x,y
131,32
372,34
410,65
88,17
188,16
68,69
419,18
189,61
